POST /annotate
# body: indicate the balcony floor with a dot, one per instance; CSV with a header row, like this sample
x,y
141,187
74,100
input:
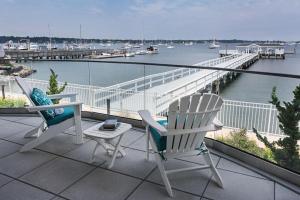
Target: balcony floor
x,y
60,169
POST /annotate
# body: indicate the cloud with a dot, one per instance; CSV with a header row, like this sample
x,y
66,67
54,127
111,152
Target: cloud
x,y
96,11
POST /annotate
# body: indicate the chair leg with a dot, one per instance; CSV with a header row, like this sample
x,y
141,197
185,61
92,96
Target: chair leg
x,y
78,128
36,132
45,136
147,141
216,174
163,174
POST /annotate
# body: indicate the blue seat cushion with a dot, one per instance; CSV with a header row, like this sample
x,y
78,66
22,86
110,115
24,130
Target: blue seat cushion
x,y
160,141
39,98
67,114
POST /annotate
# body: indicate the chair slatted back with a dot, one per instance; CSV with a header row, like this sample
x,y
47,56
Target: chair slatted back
x,y
191,112
27,90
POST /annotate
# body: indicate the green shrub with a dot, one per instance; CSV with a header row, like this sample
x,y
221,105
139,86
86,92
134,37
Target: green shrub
x,y
240,140
12,103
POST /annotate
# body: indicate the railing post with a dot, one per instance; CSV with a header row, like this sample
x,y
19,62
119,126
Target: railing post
x,y
135,87
108,106
270,115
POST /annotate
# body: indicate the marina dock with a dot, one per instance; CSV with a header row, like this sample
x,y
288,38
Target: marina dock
x,y
19,55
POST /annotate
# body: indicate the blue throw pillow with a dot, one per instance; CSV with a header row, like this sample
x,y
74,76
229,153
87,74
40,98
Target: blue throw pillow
x,y
41,99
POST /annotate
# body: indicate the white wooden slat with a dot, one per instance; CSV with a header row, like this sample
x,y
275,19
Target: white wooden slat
x,y
210,106
213,114
183,108
202,107
172,115
195,101
198,140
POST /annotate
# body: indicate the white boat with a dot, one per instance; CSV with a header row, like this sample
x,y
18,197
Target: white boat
x,y
129,54
136,46
170,47
152,50
34,47
188,44
141,52
214,45
23,47
105,54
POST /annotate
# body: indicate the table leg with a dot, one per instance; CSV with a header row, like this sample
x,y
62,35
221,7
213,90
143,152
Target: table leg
x,y
117,149
94,151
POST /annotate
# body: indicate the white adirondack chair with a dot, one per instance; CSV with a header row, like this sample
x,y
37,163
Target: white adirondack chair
x,y
44,132
188,121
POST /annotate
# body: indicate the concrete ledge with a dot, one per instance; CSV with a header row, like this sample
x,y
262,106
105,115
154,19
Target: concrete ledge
x,y
266,166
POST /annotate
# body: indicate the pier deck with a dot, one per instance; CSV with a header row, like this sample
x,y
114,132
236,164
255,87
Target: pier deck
x,y
157,98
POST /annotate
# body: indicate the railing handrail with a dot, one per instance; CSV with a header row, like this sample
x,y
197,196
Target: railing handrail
x,y
165,73
207,75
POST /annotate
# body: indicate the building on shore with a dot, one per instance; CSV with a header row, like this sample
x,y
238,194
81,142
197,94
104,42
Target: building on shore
x,y
265,50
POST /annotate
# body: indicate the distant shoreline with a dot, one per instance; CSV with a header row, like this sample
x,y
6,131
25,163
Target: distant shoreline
x,y
43,39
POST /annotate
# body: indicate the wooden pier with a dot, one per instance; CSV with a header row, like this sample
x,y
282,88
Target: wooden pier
x,y
19,55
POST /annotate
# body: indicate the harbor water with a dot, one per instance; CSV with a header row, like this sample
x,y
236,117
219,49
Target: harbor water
x,y
247,87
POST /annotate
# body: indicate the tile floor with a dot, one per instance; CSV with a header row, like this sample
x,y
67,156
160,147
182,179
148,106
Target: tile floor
x,y
59,169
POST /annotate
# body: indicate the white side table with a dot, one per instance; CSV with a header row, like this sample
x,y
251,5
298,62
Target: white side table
x,y
106,140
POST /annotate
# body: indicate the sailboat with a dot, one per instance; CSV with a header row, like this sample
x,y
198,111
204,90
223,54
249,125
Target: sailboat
x,y
214,45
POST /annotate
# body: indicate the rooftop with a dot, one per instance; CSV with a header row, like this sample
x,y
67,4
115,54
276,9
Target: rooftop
x,y
261,45
60,169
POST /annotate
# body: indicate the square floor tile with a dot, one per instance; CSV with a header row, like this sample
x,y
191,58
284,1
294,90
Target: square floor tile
x,y
16,190
18,164
231,166
9,129
200,159
130,137
85,124
140,144
191,181
19,138
59,144
84,153
7,148
102,184
4,180
32,121
10,118
239,186
58,174
134,164
149,191
283,193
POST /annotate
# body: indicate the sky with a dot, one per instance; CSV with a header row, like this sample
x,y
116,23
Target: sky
x,y
153,19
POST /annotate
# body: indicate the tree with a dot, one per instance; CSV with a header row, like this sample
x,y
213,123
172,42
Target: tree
x,y
53,86
286,150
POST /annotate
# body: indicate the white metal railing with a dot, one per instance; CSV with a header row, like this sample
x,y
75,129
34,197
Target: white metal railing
x,y
249,115
147,82
234,114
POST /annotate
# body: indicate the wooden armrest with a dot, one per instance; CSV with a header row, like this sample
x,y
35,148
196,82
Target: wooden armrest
x,y
40,108
217,123
147,118
72,96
